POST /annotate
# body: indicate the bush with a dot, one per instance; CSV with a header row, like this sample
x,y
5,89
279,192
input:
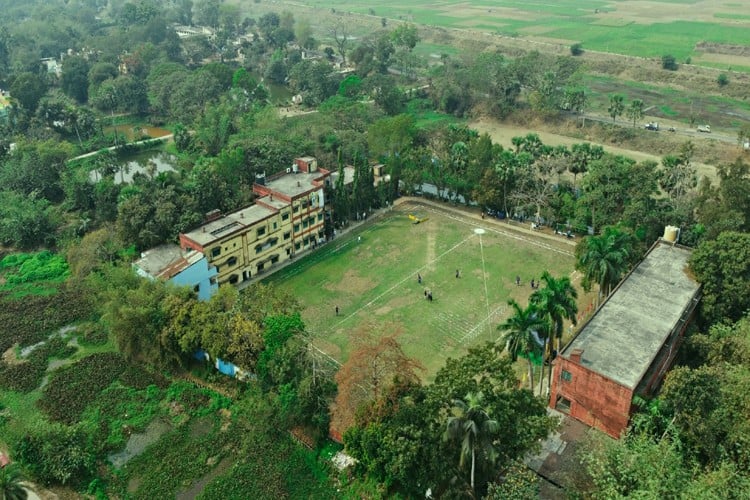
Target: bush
x,y
669,62
57,455
576,49
722,80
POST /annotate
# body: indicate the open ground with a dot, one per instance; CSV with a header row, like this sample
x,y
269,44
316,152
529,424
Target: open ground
x,y
371,275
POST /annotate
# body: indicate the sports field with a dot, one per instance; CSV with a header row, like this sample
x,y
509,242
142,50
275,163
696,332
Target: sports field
x,y
371,274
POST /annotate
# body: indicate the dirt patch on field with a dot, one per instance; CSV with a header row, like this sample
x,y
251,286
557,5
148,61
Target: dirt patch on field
x,y
430,254
352,283
394,303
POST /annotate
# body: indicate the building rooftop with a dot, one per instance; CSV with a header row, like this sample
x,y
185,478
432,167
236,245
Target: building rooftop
x,y
165,261
627,332
228,224
292,185
348,176
272,202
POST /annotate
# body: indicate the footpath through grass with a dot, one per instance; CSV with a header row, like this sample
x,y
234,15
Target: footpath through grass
x,y
371,274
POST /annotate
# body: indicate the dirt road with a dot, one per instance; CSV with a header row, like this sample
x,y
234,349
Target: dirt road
x,y
502,133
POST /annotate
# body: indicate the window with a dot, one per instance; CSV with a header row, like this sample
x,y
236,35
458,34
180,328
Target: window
x,y
258,248
295,208
212,280
304,224
320,216
285,216
215,251
305,241
274,259
304,204
562,404
260,267
287,235
296,228
297,246
232,261
261,231
275,225
567,376
218,269
234,279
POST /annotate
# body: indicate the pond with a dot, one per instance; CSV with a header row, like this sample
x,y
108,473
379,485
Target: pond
x,y
151,162
139,441
278,94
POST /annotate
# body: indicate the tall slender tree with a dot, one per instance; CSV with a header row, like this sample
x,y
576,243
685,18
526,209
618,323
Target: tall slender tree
x,y
605,258
556,302
472,425
521,334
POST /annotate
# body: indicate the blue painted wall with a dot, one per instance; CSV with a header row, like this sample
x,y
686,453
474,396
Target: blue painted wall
x,y
198,274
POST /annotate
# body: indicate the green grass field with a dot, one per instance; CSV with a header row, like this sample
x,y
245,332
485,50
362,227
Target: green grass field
x,y
373,281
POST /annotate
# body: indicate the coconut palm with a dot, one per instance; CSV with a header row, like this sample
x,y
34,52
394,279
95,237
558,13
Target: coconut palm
x,y
11,483
521,334
604,259
556,302
471,424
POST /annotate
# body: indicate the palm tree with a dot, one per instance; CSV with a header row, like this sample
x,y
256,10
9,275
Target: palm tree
x,y
11,483
521,333
557,302
604,259
472,425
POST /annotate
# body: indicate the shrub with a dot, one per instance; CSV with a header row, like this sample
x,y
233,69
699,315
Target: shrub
x,y
722,79
669,62
57,455
576,49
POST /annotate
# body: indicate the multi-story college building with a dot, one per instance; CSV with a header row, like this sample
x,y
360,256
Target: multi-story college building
x,y
288,216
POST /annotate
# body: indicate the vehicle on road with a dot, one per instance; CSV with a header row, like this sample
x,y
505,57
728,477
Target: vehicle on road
x,y
652,126
704,128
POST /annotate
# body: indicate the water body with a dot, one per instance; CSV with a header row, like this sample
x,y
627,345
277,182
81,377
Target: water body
x,y
150,162
139,441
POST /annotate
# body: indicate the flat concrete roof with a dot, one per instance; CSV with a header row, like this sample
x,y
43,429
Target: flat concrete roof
x,y
292,185
228,224
625,335
348,176
165,261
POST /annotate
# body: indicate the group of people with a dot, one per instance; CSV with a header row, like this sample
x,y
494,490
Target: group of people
x,y
534,284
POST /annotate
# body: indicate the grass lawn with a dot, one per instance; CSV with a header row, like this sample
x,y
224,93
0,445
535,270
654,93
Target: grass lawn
x,y
373,281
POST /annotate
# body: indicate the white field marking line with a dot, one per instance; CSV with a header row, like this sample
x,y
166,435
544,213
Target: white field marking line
x,y
484,278
498,231
399,283
474,331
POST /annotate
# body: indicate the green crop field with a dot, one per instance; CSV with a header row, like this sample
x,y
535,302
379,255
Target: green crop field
x,y
371,275
646,29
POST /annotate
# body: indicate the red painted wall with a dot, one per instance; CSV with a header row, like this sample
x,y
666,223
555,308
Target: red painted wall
x,y
594,400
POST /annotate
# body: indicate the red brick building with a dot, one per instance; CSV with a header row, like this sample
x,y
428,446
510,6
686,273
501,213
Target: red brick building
x,y
630,342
